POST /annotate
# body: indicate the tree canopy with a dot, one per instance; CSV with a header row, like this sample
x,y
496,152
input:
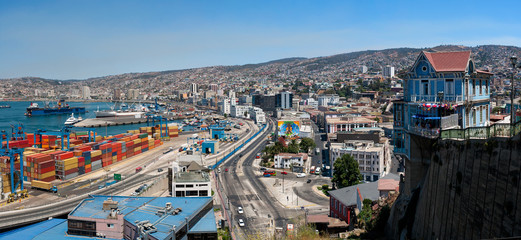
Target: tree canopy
x,y
307,143
346,172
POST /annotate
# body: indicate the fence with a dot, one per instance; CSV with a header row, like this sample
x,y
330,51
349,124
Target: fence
x,y
496,130
238,148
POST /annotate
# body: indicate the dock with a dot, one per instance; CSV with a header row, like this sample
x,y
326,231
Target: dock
x,y
115,121
107,122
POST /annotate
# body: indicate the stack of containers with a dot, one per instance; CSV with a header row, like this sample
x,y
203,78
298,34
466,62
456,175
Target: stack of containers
x,y
48,141
66,165
44,168
6,182
95,159
144,142
173,131
87,158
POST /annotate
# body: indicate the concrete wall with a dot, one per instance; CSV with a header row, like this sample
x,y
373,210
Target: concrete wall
x,y
459,190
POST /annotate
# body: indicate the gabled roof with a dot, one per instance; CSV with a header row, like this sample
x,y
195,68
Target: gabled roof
x,y
448,61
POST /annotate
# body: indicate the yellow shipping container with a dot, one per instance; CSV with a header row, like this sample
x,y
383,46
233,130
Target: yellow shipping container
x,y
46,175
137,148
114,158
95,153
70,160
124,157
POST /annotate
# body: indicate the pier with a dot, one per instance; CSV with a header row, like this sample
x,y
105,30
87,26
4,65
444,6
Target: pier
x,y
115,121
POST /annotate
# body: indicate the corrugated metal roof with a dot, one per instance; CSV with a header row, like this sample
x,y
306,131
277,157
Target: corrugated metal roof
x,y
205,225
33,230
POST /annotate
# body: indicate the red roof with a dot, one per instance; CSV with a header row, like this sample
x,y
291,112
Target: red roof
x,y
448,61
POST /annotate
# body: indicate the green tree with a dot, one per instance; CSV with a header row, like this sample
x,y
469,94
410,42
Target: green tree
x,y
307,143
346,171
364,218
293,147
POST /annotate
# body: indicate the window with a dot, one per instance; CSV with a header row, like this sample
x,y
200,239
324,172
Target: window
x,y
110,225
179,185
482,87
481,113
449,87
203,193
425,86
486,112
189,185
203,185
474,117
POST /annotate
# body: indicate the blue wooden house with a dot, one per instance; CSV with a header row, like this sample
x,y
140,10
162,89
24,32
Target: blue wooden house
x,y
442,90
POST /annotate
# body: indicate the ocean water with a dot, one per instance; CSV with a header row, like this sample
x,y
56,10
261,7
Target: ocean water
x,y
15,115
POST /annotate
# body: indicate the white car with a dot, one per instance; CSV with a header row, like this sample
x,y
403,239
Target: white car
x,y
301,175
239,209
241,222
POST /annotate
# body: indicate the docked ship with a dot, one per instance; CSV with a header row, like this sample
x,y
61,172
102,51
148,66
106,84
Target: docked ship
x,y
62,108
72,120
135,113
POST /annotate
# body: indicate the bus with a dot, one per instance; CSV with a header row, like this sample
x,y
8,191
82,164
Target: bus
x,y
270,172
312,170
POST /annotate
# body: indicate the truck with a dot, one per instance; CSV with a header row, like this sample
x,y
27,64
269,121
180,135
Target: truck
x,y
47,186
168,150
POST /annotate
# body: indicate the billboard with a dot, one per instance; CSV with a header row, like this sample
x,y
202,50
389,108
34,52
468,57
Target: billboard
x,y
288,128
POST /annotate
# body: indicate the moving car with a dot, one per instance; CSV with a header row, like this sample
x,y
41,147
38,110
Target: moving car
x,y
301,175
239,210
226,170
284,173
241,222
308,181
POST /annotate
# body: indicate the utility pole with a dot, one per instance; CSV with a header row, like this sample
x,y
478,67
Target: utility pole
x,y
513,60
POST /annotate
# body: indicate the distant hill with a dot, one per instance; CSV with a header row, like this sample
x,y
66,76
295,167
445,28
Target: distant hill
x,y
328,68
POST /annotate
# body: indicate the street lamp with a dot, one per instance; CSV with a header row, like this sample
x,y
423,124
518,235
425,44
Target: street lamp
x,y
513,60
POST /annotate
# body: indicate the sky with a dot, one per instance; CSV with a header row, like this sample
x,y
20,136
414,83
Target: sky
x,y
82,39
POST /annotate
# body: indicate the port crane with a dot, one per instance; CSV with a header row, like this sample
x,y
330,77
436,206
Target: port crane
x,y
163,123
14,152
64,133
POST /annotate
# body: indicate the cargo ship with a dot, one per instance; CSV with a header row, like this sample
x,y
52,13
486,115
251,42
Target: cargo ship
x,y
62,108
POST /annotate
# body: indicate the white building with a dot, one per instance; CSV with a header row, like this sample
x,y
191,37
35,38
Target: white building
x,y
348,123
214,87
330,99
373,159
238,111
363,69
257,115
85,92
388,71
286,100
191,184
193,88
285,160
225,106
306,131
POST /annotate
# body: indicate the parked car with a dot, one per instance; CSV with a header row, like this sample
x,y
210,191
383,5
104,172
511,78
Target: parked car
x,y
301,175
160,170
308,181
240,210
284,173
263,169
241,222
226,170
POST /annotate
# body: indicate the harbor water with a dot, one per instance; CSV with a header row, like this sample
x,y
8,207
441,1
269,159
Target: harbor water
x,y
15,115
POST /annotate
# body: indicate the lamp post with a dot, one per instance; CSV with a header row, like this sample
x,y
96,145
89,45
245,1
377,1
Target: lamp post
x,y
513,60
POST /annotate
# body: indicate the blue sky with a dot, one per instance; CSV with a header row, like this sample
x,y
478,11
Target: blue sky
x,y
82,39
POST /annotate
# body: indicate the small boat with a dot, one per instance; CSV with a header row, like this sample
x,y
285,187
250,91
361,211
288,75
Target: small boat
x,y
5,106
72,120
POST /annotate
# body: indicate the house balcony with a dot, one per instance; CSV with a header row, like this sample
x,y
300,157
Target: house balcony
x,y
436,98
432,128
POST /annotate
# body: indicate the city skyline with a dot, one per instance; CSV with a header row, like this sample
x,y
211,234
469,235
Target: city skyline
x,y
63,40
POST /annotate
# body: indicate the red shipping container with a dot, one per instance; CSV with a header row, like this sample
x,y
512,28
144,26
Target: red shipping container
x,y
73,170
87,170
49,179
46,164
65,155
45,170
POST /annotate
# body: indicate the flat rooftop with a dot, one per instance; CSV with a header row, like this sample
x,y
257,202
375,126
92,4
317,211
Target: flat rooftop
x,y
182,177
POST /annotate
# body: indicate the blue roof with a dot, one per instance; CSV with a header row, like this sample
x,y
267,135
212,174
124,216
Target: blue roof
x,y
31,231
92,207
189,206
206,224
59,232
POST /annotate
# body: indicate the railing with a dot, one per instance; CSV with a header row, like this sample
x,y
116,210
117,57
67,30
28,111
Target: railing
x,y
436,98
449,121
496,130
425,132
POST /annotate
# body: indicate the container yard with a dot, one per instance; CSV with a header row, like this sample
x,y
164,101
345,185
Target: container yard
x,y
45,165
